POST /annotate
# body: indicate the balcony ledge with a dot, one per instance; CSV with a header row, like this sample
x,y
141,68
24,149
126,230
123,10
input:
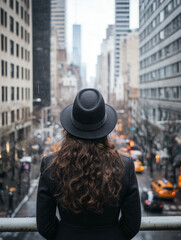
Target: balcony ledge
x,y
148,223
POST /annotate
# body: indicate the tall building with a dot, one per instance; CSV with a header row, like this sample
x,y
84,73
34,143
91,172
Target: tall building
x,y
58,20
160,62
105,65
129,68
41,51
121,29
77,46
16,79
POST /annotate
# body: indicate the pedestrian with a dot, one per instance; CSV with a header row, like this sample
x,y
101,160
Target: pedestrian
x,y
94,188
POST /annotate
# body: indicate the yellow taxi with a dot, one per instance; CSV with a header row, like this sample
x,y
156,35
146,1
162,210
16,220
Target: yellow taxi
x,y
138,166
163,188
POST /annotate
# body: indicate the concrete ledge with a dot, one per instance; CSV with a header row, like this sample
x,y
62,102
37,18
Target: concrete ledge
x,y
147,223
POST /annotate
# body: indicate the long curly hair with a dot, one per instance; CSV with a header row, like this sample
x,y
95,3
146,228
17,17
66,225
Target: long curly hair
x,y
87,174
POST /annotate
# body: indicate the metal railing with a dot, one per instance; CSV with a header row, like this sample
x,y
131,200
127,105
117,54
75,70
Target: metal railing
x,y
147,223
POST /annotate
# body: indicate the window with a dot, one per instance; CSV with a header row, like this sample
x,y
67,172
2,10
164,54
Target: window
x,y
161,16
6,94
3,119
175,68
2,94
11,3
12,70
11,47
17,114
12,116
5,41
5,18
2,67
25,36
22,73
2,16
17,71
17,50
22,93
12,93
175,92
17,28
6,69
17,93
2,42
21,12
22,32
17,7
22,51
11,24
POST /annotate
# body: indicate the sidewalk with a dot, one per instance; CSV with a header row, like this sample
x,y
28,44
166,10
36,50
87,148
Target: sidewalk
x,y
10,194
27,209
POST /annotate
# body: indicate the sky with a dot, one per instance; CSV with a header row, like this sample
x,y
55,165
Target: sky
x,y
94,17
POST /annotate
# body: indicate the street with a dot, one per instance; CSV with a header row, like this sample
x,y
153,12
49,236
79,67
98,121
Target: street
x,y
171,208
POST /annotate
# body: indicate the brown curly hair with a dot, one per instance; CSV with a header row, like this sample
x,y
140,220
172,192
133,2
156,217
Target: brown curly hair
x,y
87,174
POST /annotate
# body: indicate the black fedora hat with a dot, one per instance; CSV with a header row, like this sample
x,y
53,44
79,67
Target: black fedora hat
x,y
88,117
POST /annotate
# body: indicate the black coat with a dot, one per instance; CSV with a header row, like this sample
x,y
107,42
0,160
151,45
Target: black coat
x,y
115,223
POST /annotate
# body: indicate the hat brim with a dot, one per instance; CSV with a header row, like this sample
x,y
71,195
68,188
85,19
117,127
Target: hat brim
x,y
104,130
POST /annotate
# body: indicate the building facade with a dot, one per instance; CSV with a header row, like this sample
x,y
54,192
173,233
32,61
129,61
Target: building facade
x,y
121,29
160,63
16,87
105,65
41,51
77,46
129,70
58,20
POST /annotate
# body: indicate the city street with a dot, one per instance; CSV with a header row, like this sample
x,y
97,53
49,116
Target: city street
x,y
171,208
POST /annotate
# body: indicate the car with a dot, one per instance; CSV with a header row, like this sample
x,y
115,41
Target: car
x,y
163,188
150,201
139,168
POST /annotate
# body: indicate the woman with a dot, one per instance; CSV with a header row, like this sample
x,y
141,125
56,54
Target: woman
x,y
94,188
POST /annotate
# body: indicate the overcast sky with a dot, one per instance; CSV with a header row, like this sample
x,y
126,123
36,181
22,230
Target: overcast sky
x,y
94,17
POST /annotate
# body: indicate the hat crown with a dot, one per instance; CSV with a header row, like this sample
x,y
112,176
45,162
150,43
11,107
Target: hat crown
x,y
88,107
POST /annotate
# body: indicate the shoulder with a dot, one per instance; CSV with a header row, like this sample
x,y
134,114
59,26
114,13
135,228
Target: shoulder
x,y
128,161
47,160
128,166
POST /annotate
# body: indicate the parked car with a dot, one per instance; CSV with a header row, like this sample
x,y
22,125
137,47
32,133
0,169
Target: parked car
x,y
150,201
138,166
163,188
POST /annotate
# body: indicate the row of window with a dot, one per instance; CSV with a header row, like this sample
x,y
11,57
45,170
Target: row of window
x,y
171,6
4,47
24,33
168,71
165,93
172,27
25,93
169,50
24,13
147,14
25,73
25,112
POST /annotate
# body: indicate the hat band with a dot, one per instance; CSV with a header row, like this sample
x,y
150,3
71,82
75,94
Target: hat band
x,y
90,127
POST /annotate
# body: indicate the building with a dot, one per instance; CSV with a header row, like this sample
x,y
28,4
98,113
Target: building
x,y
121,29
84,74
58,20
16,87
105,65
70,84
129,70
160,65
41,51
54,69
77,46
